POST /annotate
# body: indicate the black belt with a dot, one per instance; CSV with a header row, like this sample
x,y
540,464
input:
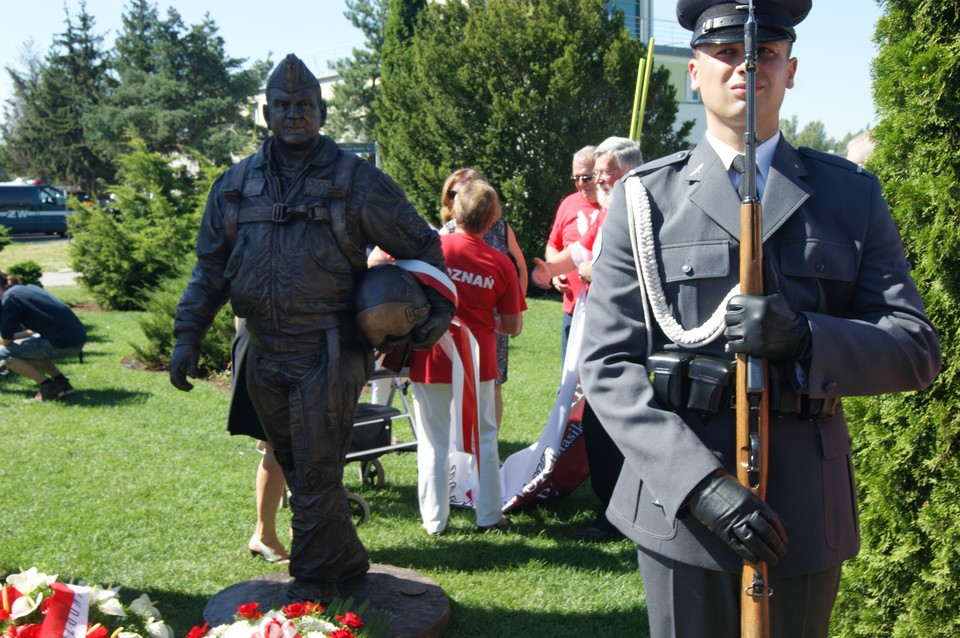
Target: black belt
x,y
685,381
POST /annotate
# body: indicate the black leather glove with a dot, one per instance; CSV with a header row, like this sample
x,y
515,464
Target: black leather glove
x,y
748,525
766,327
429,332
183,362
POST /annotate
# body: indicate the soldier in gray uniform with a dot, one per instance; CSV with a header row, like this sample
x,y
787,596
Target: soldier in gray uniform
x,y
283,237
841,317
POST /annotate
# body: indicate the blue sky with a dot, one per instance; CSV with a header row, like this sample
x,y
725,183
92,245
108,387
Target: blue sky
x,y
834,45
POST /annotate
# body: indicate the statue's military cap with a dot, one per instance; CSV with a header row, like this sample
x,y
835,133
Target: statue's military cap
x,y
715,22
292,75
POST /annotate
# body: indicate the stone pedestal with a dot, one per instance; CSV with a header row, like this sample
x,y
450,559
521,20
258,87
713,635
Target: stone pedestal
x,y
415,606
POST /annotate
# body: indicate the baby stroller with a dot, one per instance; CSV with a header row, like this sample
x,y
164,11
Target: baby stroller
x,y
372,437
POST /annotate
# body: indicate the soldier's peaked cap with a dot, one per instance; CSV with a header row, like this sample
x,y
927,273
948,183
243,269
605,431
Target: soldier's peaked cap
x,y
292,75
715,22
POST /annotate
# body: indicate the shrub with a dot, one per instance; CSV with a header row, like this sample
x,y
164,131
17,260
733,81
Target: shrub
x,y
151,226
905,580
29,272
157,325
4,237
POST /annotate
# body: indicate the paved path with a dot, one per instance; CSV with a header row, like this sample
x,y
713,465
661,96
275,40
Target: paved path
x,y
65,277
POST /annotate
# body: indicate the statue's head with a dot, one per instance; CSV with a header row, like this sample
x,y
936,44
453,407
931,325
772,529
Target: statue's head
x,y
295,110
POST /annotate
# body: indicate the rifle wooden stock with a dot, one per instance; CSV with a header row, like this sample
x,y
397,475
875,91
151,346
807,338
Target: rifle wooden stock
x,y
752,422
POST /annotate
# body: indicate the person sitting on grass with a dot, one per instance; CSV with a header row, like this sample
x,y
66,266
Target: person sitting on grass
x,y
35,329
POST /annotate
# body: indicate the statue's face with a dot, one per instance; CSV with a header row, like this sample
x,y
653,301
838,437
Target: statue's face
x,y
294,118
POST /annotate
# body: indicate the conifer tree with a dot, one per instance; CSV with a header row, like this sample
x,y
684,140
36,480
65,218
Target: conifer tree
x,y
513,88
47,123
905,580
178,88
352,117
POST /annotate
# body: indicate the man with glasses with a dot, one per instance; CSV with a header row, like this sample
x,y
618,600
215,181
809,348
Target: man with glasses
x,y
613,158
574,215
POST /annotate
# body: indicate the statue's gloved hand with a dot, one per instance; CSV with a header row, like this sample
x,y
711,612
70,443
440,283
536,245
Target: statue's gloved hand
x,y
766,327
183,362
429,332
747,524
390,344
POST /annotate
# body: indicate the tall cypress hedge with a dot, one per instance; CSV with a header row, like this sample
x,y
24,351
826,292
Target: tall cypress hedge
x,y
906,580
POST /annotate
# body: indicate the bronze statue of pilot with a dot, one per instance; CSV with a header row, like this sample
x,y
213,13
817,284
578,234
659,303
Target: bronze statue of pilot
x,y
283,237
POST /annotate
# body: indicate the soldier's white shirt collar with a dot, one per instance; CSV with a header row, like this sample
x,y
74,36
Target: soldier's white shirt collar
x,y
765,152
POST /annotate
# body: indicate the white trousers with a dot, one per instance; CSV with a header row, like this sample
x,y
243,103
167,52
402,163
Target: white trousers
x,y
431,406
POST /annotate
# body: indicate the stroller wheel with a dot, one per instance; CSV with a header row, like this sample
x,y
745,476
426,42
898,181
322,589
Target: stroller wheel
x,y
371,474
359,509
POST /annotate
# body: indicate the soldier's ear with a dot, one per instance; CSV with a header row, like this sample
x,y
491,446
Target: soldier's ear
x,y
323,112
265,110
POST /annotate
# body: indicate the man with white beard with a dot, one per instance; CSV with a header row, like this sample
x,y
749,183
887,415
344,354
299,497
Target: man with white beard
x,y
613,159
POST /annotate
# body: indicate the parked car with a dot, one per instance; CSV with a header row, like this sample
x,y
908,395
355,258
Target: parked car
x,y
33,208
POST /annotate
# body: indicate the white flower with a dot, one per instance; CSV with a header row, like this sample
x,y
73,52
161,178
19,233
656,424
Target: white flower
x,y
127,634
24,605
26,582
159,629
241,629
310,624
144,606
107,602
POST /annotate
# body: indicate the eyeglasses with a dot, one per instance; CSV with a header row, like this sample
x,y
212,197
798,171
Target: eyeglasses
x,y
603,176
585,179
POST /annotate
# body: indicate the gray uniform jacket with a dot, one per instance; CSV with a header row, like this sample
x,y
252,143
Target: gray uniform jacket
x,y
831,247
294,279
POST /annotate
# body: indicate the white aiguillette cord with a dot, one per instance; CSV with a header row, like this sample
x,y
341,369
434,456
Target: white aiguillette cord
x,y
648,275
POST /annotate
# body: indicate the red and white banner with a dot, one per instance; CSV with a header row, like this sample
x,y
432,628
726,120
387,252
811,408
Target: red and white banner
x,y
66,612
556,463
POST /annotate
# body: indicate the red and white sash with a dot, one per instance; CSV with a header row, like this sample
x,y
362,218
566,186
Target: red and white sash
x,y
461,347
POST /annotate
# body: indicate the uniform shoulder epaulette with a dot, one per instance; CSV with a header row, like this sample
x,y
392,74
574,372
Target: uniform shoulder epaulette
x,y
658,163
831,158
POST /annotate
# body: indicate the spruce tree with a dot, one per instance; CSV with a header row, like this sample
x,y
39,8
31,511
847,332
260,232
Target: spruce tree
x,y
47,122
177,88
352,117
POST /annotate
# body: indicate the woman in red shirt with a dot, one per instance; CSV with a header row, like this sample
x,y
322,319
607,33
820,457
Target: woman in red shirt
x,y
489,302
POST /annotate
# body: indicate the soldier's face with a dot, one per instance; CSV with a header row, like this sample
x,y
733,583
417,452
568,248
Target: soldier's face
x,y
294,118
719,72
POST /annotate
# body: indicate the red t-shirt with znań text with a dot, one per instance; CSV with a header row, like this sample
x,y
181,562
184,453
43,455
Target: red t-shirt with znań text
x,y
486,281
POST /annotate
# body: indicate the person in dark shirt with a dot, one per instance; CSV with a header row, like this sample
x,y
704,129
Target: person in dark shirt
x,y
35,329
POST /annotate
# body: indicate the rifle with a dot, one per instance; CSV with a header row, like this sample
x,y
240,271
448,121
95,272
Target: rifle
x,y
751,389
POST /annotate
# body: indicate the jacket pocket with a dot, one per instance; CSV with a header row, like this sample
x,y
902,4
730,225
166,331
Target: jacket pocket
x,y
841,523
819,259
697,277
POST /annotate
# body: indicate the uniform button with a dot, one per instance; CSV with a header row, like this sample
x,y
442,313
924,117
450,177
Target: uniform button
x,y
830,386
820,266
687,269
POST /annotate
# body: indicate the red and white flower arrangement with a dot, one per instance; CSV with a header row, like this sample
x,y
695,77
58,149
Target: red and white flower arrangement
x,y
33,603
297,620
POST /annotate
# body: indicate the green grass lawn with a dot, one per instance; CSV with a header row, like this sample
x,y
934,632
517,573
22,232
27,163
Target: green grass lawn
x,y
131,482
49,252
